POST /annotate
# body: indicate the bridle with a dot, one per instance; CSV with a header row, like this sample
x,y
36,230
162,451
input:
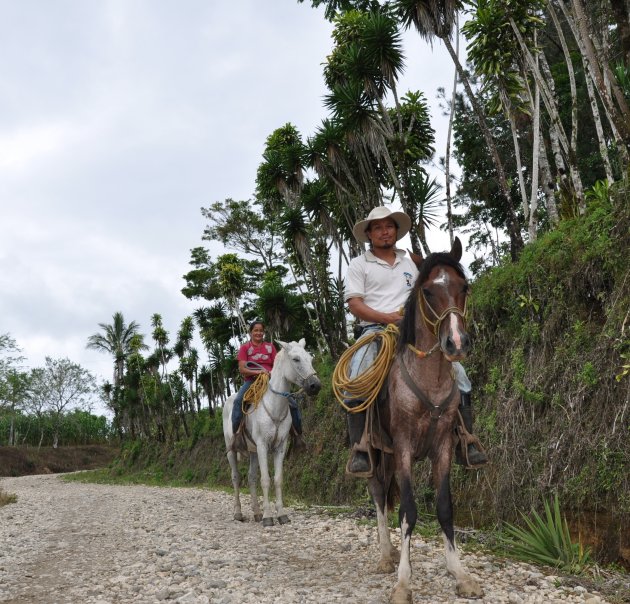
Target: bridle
x,y
439,319
436,325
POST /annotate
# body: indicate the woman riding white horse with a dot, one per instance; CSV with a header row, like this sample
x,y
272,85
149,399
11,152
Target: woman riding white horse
x,y
267,428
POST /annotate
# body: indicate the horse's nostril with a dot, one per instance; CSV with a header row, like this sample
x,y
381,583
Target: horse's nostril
x,y
314,387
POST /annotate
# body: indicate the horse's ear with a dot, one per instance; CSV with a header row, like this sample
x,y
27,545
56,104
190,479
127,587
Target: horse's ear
x,y
282,344
302,342
456,250
417,258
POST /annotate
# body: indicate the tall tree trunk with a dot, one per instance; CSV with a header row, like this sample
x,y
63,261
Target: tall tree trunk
x,y
533,202
548,184
509,112
547,89
621,116
599,129
571,73
589,69
447,157
513,227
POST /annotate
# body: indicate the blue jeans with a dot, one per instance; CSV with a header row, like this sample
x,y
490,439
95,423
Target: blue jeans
x,y
237,411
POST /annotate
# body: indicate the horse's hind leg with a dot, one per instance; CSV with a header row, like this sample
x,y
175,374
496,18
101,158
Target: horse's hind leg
x,y
467,587
389,555
236,481
252,477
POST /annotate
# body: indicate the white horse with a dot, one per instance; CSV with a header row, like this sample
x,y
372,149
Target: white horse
x,y
267,429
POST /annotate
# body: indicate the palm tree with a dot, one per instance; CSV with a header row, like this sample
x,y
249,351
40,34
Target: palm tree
x,y
119,340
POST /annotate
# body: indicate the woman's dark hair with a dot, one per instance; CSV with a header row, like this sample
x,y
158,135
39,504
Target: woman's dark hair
x,y
254,323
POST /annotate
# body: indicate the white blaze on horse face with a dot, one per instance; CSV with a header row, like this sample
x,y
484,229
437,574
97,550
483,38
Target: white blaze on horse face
x,y
443,280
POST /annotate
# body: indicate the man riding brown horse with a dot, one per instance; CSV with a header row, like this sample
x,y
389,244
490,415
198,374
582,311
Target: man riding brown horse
x,y
377,285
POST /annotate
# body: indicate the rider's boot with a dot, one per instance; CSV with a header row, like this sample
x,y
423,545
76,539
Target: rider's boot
x,y
360,461
475,457
238,442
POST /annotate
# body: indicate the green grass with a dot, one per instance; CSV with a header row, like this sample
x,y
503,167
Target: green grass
x,y
546,540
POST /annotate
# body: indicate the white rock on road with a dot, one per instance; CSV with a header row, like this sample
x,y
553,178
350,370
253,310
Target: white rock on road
x,y
69,542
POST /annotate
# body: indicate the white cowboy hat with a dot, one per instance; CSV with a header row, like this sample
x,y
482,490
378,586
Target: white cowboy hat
x,y
403,222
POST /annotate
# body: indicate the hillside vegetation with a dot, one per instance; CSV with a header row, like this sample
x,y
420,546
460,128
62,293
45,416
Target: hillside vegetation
x,y
550,368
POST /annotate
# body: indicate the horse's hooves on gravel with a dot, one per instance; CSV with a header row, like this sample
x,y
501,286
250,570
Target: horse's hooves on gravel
x,y
257,517
267,521
284,519
385,566
239,517
469,588
401,595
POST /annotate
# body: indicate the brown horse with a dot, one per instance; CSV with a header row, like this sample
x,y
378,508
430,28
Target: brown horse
x,y
420,414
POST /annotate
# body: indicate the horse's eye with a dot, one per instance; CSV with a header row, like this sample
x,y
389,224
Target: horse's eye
x,y
427,293
466,289
296,359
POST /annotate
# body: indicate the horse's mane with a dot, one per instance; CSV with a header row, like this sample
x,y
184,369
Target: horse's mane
x,y
408,323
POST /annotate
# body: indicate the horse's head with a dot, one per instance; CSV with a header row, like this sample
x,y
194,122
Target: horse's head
x,y
440,294
299,367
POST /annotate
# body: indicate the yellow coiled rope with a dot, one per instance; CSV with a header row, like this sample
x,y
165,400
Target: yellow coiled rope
x,y
367,385
255,392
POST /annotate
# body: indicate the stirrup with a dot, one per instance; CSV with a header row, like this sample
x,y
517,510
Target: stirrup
x,y
465,440
358,447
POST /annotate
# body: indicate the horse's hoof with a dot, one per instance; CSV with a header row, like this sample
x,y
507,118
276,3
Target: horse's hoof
x,y
469,588
239,517
385,566
401,595
257,517
284,519
267,521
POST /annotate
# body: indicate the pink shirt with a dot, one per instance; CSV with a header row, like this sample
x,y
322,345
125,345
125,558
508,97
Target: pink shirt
x,y
264,355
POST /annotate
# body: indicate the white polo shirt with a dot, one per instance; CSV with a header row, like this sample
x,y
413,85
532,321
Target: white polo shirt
x,y
382,286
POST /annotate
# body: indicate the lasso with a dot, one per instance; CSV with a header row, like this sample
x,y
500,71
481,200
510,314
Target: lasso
x,y
367,385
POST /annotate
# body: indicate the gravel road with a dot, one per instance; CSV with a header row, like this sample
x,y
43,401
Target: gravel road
x,y
68,542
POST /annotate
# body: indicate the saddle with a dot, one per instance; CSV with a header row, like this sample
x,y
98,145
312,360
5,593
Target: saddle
x,y
375,438
244,443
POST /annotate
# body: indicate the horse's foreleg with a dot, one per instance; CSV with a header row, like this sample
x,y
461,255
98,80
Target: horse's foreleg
x,y
407,515
278,462
467,587
236,483
252,478
265,483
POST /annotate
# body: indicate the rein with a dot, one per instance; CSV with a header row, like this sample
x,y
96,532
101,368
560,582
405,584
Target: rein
x,y
435,411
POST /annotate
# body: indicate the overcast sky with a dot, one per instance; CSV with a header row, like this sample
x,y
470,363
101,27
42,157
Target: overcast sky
x,y
119,120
